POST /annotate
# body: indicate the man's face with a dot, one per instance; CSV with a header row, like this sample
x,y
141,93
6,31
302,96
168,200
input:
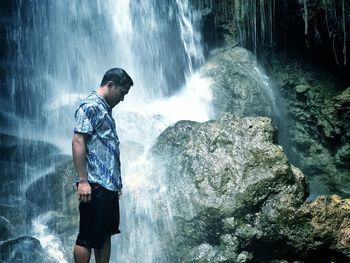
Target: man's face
x,y
117,94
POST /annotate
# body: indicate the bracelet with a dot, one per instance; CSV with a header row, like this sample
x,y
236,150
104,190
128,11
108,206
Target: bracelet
x,y
83,180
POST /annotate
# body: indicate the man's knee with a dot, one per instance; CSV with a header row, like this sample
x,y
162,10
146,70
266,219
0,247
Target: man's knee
x,y
81,254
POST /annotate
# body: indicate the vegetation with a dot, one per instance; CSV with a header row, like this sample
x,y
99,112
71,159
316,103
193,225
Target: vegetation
x,y
314,25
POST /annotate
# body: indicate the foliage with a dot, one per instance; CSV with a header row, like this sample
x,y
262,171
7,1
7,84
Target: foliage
x,y
260,24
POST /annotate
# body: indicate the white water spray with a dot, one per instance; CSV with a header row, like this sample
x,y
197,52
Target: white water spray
x,y
159,45
50,243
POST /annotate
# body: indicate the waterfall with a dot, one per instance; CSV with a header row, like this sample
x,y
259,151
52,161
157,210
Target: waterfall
x,y
61,50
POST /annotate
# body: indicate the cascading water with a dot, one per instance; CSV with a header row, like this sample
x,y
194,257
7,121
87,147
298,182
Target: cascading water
x,y
61,50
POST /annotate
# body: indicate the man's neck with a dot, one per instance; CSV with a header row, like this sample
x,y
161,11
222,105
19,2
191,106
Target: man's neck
x,y
102,91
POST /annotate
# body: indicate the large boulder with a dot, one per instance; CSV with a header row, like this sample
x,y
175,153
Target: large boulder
x,y
238,84
6,229
331,218
23,249
54,191
36,179
309,106
234,197
21,162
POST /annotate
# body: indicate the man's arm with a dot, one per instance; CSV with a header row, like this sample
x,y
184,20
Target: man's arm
x,y
79,159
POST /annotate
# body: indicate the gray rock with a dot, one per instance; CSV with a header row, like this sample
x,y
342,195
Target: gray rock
x,y
23,249
231,189
312,115
21,160
343,156
238,84
343,100
35,153
301,88
60,200
244,257
331,218
57,191
317,122
6,229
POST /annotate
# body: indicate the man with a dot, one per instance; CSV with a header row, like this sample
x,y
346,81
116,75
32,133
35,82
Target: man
x,y
95,148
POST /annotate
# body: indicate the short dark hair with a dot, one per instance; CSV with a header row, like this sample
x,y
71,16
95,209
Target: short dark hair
x,y
118,76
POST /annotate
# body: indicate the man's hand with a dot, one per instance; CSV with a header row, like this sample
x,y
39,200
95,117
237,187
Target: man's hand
x,y
84,192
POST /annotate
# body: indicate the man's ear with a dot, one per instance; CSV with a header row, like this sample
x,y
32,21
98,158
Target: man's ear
x,y
110,84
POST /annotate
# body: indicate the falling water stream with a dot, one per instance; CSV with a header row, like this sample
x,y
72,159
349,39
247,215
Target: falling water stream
x,y
64,48
59,51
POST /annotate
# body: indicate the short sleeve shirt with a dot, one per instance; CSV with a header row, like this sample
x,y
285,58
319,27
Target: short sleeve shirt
x,y
94,117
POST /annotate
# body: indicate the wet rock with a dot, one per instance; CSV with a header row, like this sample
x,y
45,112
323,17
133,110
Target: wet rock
x,y
6,229
343,100
343,156
238,84
53,199
35,178
331,218
12,204
301,88
58,229
21,160
244,257
63,225
342,106
54,191
34,153
317,123
23,249
235,197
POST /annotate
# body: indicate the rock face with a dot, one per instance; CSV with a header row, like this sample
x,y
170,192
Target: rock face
x,y
330,217
57,204
21,160
56,191
25,195
238,84
236,198
317,110
23,249
308,106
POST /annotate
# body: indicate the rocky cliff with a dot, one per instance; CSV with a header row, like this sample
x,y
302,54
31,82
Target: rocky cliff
x,y
308,105
236,198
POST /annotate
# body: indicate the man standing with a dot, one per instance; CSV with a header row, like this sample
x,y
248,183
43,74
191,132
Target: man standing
x,y
95,148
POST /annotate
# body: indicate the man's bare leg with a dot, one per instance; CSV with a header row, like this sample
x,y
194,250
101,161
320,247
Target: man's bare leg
x,y
102,255
81,254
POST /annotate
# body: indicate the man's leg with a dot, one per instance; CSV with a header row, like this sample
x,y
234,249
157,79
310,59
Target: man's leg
x,y
102,255
81,254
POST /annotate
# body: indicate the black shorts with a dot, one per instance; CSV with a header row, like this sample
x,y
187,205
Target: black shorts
x,y
98,218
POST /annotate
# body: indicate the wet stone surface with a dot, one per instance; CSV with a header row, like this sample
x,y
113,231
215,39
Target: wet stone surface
x,y
235,196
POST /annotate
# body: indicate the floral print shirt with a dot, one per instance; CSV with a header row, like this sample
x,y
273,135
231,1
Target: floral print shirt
x,y
94,117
